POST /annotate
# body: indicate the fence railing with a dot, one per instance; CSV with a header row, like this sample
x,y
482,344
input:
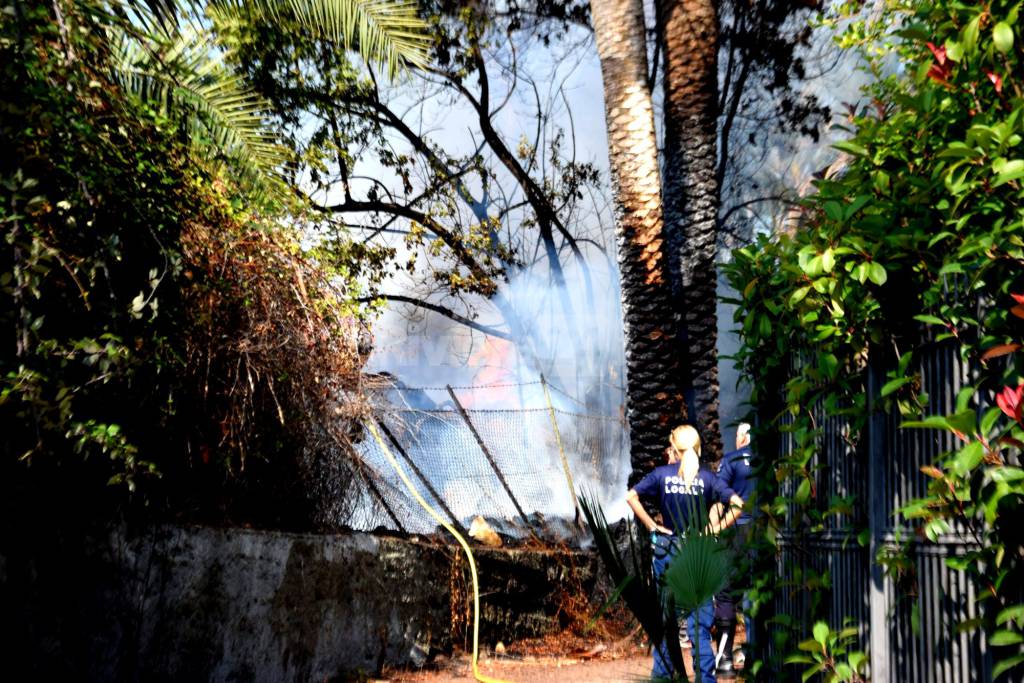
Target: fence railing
x,y
910,630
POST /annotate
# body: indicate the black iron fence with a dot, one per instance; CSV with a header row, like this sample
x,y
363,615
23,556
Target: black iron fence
x,y
909,621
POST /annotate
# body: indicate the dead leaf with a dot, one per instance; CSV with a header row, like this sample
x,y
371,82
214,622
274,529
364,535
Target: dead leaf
x,y
1000,349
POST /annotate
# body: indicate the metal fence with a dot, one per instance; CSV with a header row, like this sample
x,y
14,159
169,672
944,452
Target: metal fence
x,y
911,630
510,466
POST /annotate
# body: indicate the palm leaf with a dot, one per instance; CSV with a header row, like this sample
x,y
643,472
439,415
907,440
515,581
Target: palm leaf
x,y
386,31
632,574
700,569
702,564
153,17
186,80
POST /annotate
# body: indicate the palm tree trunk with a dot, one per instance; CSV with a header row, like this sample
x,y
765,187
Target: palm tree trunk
x,y
654,400
688,31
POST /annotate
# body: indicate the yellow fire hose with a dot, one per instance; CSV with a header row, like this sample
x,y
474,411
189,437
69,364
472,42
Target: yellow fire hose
x,y
458,537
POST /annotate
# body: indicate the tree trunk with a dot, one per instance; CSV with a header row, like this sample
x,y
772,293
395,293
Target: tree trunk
x,y
654,400
688,31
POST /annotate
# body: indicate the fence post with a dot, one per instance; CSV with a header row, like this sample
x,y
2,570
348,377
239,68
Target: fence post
x,y
561,451
878,460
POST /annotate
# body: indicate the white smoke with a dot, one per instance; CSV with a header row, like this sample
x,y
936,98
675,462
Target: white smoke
x,y
581,358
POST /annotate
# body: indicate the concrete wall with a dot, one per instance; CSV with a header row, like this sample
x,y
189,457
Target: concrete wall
x,y
188,603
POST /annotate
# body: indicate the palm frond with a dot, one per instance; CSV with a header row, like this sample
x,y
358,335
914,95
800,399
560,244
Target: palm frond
x,y
630,571
386,31
185,79
700,569
702,563
154,17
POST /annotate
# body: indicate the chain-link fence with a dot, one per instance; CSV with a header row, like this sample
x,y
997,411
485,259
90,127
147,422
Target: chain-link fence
x,y
502,464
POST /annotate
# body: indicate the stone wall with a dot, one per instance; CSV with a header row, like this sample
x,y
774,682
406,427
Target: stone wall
x,y
194,603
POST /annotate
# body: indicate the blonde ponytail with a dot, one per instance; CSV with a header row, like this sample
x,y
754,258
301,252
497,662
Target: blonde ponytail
x,y
686,441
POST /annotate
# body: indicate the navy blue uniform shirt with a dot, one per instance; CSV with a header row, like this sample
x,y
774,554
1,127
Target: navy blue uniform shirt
x,y
737,474
679,501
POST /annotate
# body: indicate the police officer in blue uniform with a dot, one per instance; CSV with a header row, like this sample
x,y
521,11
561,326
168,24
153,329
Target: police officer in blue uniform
x,y
736,473
682,490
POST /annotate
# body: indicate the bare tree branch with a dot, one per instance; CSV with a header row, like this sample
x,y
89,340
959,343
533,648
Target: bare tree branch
x,y
442,310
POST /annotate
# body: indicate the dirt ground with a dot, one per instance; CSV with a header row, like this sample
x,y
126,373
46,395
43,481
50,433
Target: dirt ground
x,y
561,659
536,670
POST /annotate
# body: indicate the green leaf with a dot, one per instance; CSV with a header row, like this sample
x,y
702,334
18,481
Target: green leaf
x,y
877,273
809,645
880,180
1005,637
180,76
858,203
930,422
814,266
828,260
959,150
930,319
1005,665
954,51
1002,37
968,457
812,672
804,256
936,528
968,625
798,295
850,147
988,420
820,632
965,419
892,385
803,492
1007,473
939,238
1016,612
834,210
969,35
828,363
1011,170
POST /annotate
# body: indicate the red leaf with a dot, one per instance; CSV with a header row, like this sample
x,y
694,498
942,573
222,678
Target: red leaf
x,y
1009,401
1019,298
938,73
999,350
997,81
939,52
1018,310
